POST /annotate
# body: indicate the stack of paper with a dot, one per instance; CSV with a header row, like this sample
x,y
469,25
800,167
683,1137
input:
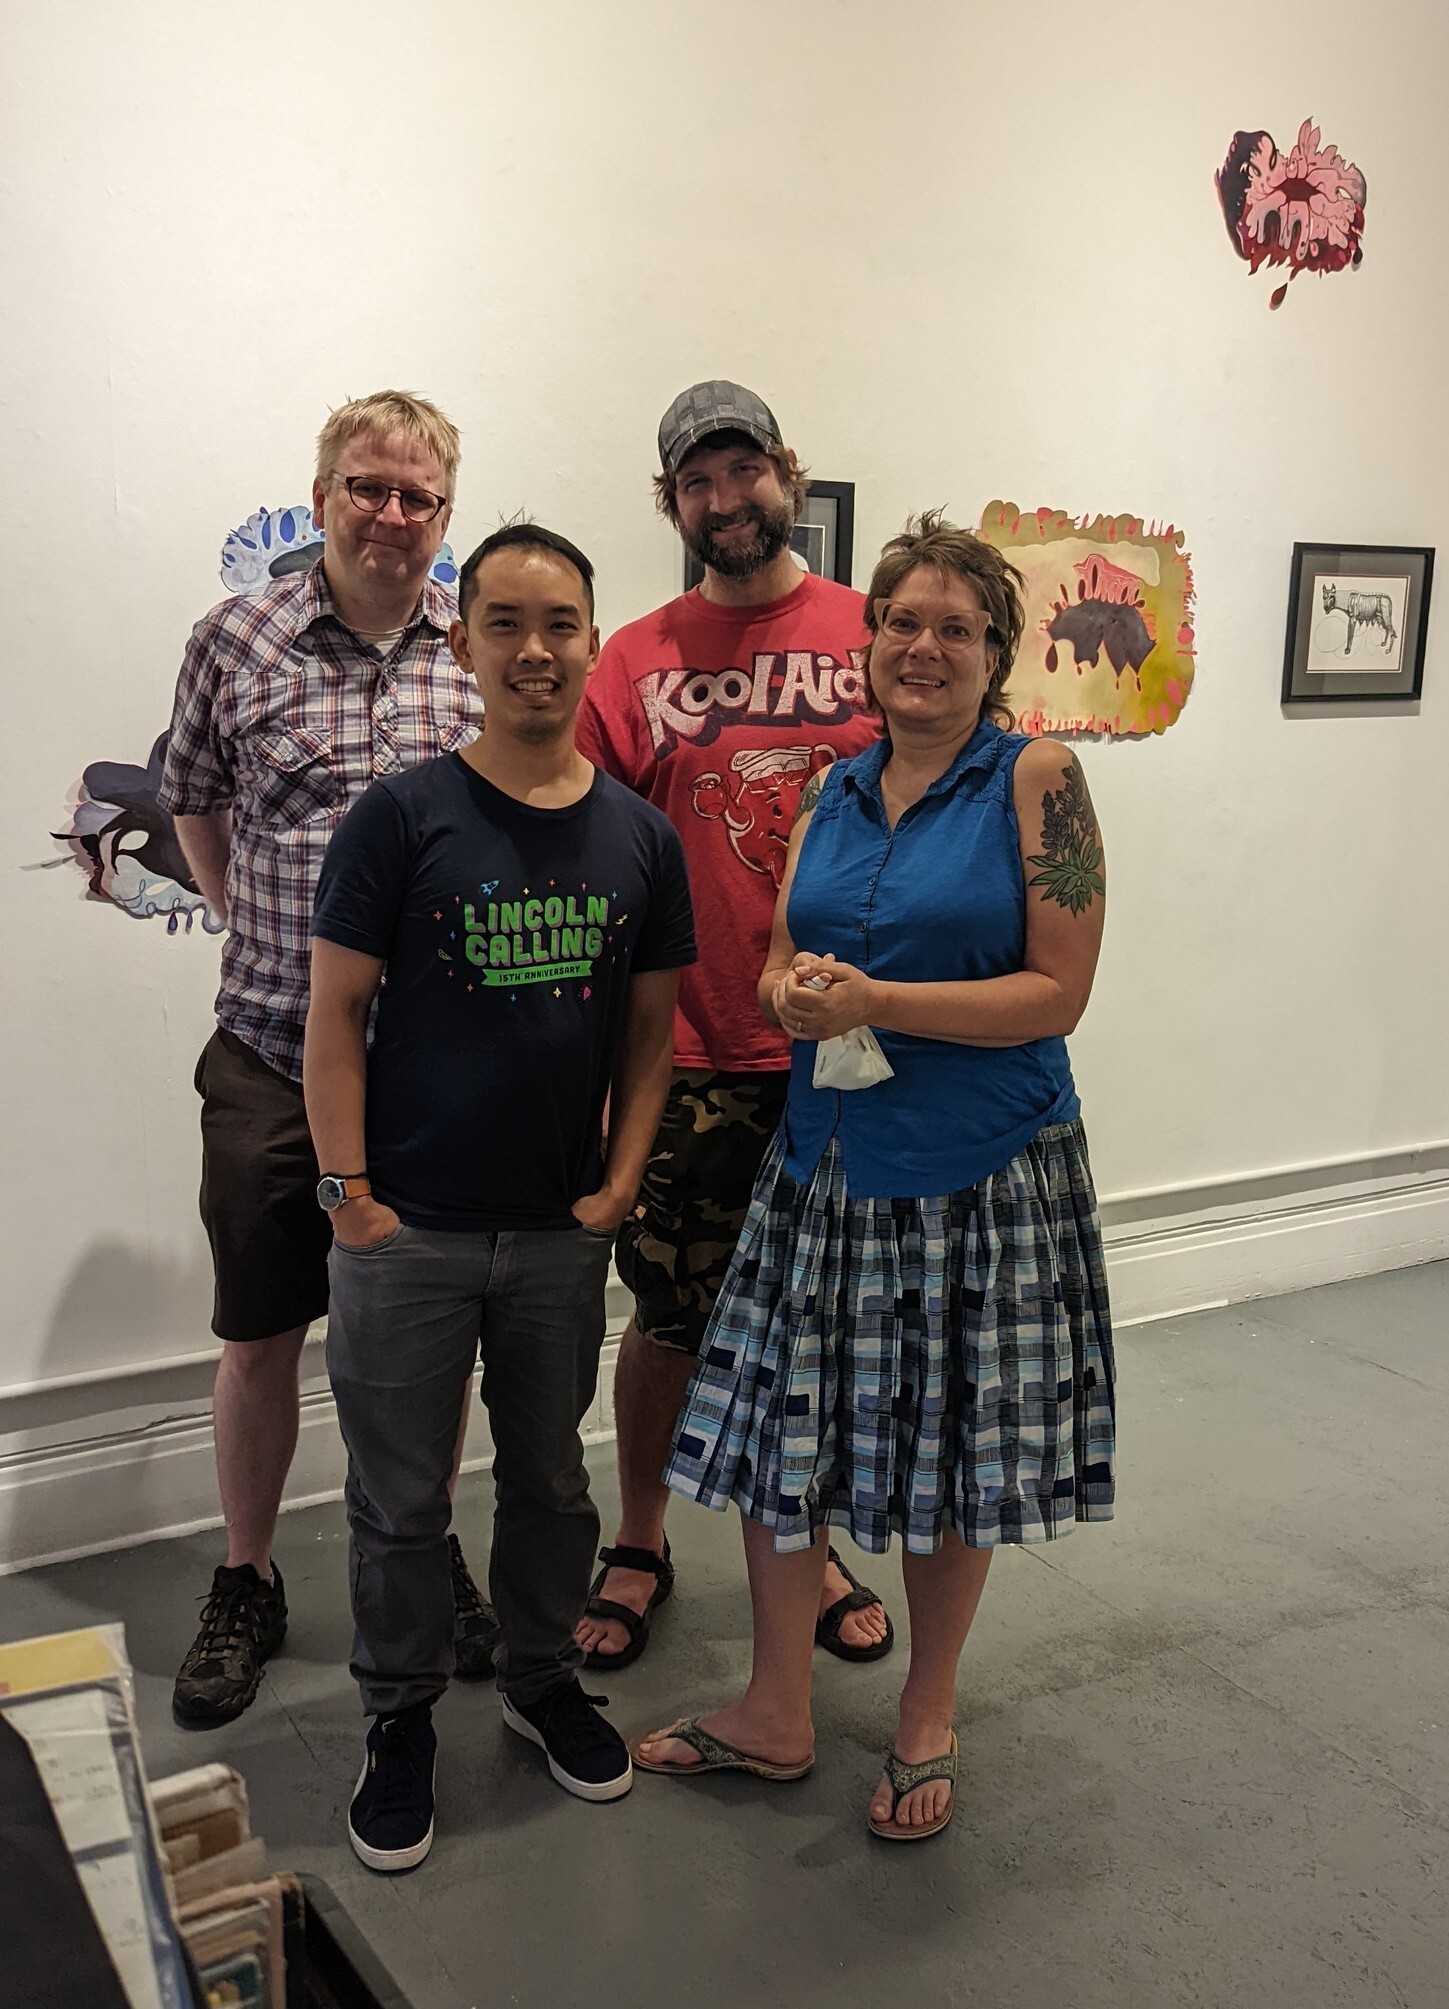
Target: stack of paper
x,y
206,1831
69,1699
234,1918
128,1897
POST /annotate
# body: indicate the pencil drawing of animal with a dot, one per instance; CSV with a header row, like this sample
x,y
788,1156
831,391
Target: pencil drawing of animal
x,y
1362,610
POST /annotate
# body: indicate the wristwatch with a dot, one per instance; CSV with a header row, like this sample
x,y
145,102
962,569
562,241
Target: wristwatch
x,y
335,1189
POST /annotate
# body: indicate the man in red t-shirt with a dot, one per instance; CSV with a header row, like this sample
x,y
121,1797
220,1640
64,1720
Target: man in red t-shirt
x,y
719,708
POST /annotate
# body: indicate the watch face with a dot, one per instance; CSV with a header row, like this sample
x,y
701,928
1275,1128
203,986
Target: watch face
x,y
330,1193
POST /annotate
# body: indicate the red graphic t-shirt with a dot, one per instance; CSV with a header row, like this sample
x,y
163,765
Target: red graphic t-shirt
x,y
719,716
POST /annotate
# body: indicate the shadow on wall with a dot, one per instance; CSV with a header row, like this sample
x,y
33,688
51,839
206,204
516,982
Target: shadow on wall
x,y
88,1448
124,1444
144,1306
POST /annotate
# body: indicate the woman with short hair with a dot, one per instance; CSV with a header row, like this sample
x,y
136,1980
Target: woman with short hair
x,y
914,1336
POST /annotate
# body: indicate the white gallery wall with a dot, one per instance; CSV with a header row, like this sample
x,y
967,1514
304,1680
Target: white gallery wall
x,y
965,252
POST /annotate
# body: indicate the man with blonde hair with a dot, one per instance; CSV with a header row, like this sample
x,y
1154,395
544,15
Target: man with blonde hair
x,y
290,703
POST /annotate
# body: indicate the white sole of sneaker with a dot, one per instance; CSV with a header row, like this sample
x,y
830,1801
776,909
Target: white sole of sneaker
x,y
582,1789
389,1861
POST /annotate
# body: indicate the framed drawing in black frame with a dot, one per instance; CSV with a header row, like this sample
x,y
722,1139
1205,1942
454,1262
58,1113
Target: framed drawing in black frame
x,y
1357,618
823,538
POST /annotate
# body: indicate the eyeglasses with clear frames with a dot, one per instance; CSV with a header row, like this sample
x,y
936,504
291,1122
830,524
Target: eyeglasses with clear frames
x,y
418,505
954,632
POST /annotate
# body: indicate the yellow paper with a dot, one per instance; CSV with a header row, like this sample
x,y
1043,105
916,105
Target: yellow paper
x,y
60,1659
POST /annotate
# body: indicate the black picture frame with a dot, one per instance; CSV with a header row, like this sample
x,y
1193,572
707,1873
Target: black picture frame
x,y
823,538
1358,617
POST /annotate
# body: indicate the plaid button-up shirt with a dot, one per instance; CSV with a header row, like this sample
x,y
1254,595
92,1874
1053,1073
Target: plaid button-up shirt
x,y
286,716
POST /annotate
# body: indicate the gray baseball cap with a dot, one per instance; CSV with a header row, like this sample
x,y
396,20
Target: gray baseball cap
x,y
713,407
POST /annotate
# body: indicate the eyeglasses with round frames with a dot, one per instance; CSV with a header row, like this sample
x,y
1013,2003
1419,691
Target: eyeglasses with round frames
x,y
953,632
418,505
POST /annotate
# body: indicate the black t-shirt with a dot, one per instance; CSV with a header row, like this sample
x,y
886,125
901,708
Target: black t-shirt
x,y
510,935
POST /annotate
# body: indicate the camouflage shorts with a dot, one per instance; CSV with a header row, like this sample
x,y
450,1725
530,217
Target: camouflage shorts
x,y
672,1253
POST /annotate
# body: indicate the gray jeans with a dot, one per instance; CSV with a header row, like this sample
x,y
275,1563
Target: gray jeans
x,y
407,1319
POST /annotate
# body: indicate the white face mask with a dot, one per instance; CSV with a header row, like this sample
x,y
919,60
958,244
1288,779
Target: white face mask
x,y
853,1060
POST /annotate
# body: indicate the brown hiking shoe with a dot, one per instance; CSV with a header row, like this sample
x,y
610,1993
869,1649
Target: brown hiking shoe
x,y
476,1631
243,1622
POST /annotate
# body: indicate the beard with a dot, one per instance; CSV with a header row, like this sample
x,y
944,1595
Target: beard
x,y
737,561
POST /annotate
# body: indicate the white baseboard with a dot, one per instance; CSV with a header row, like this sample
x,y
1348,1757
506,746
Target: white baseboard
x,y
147,1482
101,1461
1227,1241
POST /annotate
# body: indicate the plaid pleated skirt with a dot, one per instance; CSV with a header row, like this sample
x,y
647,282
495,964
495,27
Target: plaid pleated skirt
x,y
911,1364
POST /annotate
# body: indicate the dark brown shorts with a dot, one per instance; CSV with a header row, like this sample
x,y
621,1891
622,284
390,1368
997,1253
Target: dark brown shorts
x,y
269,1238
673,1251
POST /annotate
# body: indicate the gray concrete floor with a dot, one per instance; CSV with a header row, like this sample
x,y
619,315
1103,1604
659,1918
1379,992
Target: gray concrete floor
x,y
1206,1748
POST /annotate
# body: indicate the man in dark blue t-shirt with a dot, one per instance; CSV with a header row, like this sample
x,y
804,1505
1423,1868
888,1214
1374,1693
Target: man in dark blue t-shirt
x,y
530,917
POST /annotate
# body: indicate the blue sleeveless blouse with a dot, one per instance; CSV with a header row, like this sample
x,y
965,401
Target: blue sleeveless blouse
x,y
939,899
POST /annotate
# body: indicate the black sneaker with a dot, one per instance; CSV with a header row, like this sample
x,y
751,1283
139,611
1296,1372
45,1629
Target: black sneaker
x,y
243,1622
585,1754
476,1631
390,1820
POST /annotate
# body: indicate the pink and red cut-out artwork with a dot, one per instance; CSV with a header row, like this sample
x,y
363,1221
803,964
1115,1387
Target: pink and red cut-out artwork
x,y
1302,209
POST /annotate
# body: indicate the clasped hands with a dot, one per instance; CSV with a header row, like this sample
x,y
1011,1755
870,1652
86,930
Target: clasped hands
x,y
820,998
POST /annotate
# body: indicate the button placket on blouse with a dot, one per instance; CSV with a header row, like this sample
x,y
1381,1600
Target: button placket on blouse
x,y
867,905
940,791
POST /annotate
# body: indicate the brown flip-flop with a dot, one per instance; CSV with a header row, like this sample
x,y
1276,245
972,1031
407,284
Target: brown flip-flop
x,y
904,1779
714,1756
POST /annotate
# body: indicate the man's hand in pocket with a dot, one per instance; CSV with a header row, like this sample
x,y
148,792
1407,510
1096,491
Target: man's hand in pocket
x,y
363,1222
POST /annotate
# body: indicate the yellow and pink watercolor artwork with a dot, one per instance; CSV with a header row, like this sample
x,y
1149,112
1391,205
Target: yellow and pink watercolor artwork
x,y
1108,642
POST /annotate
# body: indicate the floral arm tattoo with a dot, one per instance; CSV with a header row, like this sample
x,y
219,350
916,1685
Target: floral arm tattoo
x,y
1070,867
810,794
